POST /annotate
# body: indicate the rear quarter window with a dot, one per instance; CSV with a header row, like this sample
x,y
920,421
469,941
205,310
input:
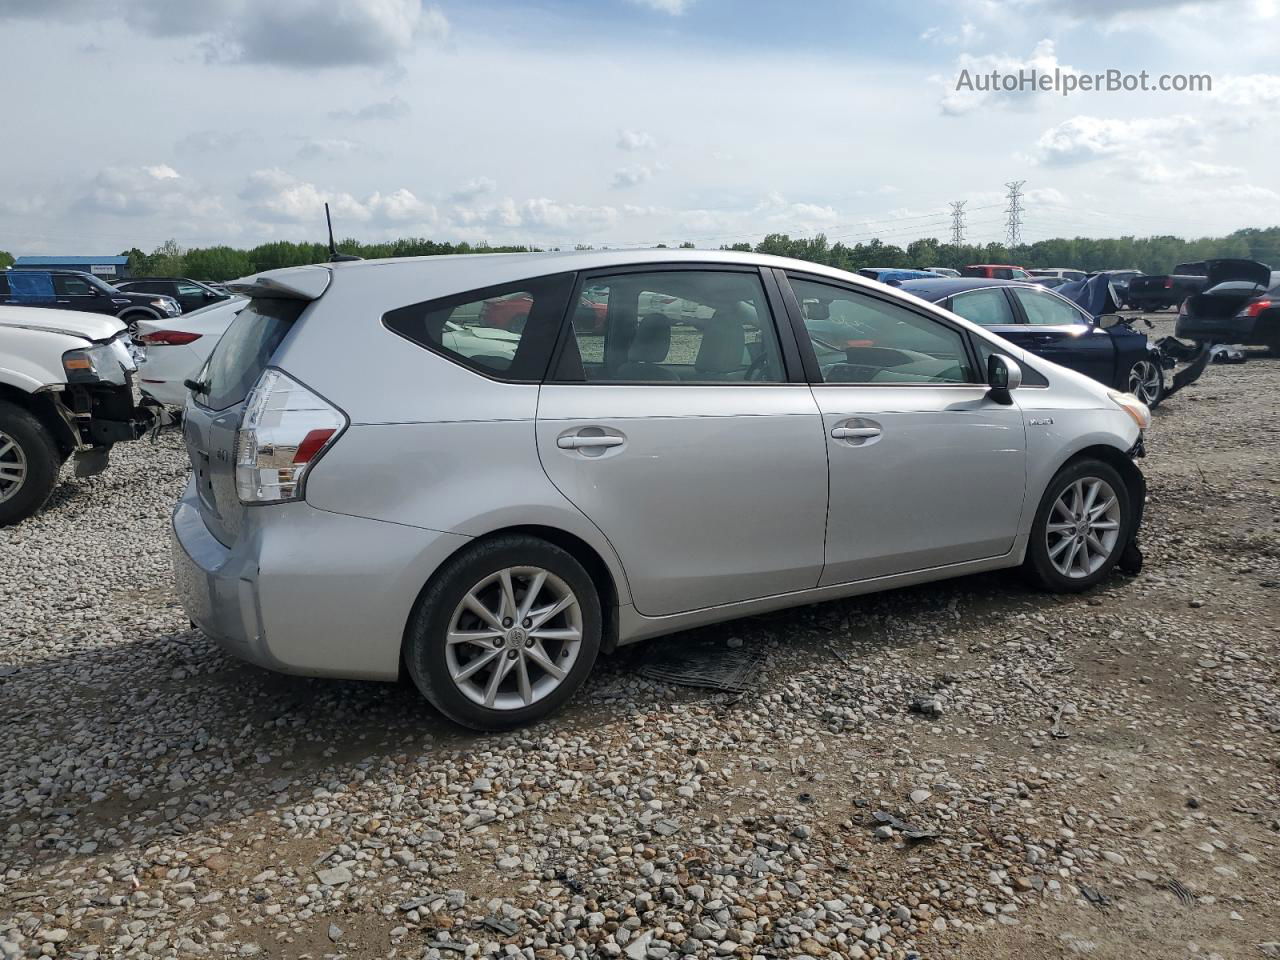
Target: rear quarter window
x,y
246,349
506,332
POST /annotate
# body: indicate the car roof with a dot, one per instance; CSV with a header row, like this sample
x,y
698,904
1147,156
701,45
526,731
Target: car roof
x,y
943,287
468,271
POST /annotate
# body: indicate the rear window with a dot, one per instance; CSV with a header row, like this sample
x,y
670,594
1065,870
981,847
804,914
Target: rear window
x,y
506,332
246,349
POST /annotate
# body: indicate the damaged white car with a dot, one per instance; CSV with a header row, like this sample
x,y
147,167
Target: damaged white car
x,y
68,389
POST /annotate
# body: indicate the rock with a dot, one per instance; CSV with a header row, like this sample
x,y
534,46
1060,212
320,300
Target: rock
x,y
920,796
334,876
335,932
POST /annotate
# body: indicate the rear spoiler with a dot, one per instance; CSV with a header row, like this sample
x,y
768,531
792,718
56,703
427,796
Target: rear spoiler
x,y
291,283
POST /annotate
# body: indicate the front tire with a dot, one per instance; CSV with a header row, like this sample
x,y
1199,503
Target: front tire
x,y
1082,526
505,633
1146,381
29,464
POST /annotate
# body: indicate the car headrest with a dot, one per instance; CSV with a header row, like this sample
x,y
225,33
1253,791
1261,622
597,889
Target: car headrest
x,y
652,341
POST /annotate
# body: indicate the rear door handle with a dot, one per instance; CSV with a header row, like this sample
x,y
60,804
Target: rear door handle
x,y
579,443
854,433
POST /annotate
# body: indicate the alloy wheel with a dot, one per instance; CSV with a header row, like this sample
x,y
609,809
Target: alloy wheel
x,y
1083,528
514,638
13,467
1144,381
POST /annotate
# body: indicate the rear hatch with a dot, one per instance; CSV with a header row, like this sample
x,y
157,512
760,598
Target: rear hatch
x,y
1250,271
1231,284
212,419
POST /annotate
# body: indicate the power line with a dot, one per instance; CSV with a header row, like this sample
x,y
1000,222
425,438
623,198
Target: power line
x,y
957,221
1015,213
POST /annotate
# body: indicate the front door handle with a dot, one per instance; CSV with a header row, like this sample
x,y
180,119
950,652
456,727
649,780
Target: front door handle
x,y
579,443
854,433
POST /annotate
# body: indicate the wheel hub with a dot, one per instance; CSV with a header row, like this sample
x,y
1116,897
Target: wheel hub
x,y
1083,528
514,638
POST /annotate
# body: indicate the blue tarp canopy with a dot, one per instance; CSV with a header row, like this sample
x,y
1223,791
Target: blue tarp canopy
x,y
30,286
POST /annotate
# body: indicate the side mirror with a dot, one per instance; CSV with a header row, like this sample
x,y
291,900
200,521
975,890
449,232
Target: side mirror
x,y
1108,320
1004,376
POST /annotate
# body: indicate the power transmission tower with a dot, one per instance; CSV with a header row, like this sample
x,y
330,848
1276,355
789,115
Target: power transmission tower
x,y
957,221
1015,213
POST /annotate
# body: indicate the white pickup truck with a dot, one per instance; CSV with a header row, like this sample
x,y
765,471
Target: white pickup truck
x,y
68,389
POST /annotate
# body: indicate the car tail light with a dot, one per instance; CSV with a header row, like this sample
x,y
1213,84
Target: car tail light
x,y
285,429
1255,308
167,338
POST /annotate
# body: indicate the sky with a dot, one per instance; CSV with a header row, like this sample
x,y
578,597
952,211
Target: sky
x,y
624,122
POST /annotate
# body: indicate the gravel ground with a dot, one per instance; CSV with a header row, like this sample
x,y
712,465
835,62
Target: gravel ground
x,y
965,769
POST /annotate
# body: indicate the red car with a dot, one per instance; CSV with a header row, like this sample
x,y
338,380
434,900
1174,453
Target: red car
x,y
995,271
512,313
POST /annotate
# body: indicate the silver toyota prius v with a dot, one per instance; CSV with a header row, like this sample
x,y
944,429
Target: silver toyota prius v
x,y
488,470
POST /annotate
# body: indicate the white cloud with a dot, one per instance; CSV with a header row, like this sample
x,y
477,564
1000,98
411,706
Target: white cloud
x,y
391,109
307,34
201,142
675,8
566,221
635,140
1085,138
145,191
274,196
1153,169
632,176
473,188
1253,90
327,148
965,35
974,72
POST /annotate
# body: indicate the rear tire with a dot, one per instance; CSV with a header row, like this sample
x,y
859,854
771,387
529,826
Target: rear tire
x,y
1076,518
464,633
29,464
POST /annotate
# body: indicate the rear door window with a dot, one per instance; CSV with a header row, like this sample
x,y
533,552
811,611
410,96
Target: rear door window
x,y
987,307
245,350
1048,309
506,332
674,326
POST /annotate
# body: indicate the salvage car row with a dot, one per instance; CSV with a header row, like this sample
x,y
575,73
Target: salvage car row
x,y
492,469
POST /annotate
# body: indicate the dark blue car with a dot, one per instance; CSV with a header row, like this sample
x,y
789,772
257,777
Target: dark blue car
x,y
1051,326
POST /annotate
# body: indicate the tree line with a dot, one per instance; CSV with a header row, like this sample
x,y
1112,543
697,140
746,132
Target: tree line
x,y
1156,254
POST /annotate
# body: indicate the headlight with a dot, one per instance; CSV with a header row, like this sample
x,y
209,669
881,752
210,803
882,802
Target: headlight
x,y
99,363
167,305
1134,407
88,364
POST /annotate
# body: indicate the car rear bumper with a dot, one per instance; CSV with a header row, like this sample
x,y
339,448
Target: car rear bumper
x,y
304,590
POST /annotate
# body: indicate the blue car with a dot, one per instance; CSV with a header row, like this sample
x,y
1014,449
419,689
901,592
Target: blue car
x,y
894,276
1049,325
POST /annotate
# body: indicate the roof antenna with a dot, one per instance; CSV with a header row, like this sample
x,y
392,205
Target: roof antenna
x,y
334,255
